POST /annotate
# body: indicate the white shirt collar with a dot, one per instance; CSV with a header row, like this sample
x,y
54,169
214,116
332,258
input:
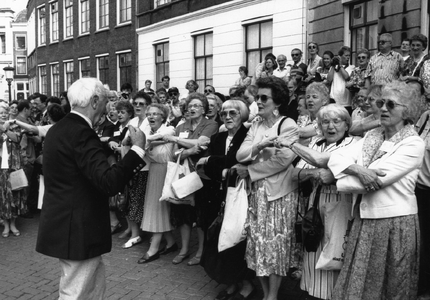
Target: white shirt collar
x,y
84,117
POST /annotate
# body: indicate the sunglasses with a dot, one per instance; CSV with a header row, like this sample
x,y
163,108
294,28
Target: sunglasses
x,y
208,91
173,94
312,47
295,54
139,104
362,57
231,113
263,98
390,104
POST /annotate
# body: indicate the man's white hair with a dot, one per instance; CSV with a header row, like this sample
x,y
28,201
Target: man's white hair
x,y
82,90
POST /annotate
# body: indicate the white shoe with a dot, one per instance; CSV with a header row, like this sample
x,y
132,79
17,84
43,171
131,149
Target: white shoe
x,y
131,242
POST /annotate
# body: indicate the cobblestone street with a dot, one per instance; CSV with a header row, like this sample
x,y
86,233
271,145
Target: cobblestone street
x,y
26,274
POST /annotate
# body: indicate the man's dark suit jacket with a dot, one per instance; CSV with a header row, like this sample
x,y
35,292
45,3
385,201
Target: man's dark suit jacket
x,y
74,223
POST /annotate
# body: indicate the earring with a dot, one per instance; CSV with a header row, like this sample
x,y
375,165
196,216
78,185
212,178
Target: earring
x,y
276,112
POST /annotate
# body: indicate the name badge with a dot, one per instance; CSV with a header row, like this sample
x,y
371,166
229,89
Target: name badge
x,y
184,135
386,146
116,133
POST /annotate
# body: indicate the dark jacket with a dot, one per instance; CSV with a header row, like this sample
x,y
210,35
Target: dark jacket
x,y
74,222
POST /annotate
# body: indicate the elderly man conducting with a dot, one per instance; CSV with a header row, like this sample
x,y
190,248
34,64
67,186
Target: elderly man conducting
x,y
74,222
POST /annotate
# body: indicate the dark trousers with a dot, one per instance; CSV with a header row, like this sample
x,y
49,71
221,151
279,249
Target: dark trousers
x,y
423,199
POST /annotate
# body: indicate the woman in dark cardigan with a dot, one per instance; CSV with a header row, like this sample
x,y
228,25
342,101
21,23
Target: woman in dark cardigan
x,y
231,268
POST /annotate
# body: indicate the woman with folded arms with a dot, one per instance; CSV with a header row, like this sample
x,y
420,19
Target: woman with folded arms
x,y
382,254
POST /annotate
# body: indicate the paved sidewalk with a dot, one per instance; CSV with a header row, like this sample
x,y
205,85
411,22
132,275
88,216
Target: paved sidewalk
x,y
26,274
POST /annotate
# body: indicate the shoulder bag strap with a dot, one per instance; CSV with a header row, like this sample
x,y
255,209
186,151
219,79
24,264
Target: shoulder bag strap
x,y
280,125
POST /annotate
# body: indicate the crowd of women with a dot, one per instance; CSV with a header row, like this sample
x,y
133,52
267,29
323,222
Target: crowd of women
x,y
295,151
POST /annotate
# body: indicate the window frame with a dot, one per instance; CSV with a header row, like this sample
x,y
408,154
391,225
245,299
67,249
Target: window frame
x,y
127,9
69,76
87,72
100,16
42,25
68,19
2,42
128,68
16,42
166,71
260,49
17,64
86,22
55,79
43,79
105,70
54,32
202,82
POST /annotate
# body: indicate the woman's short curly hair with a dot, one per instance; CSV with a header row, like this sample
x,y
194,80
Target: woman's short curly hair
x,y
408,96
333,110
163,108
244,69
280,92
200,97
420,38
364,51
194,83
321,89
125,105
239,105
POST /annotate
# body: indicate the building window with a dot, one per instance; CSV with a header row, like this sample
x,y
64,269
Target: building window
x,y
69,74
124,11
103,13
103,69
85,16
85,67
54,21
162,2
203,59
55,80
124,67
22,90
364,27
258,43
42,80
68,12
21,65
20,43
42,26
2,42
161,62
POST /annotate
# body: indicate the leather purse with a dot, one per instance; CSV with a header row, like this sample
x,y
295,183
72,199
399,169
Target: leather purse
x,y
312,225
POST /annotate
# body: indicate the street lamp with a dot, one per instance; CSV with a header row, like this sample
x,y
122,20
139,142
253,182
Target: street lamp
x,y
8,72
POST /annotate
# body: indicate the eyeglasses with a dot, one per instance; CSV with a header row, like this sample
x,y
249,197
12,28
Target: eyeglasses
x,y
390,104
231,113
195,106
208,91
263,98
336,122
312,47
173,94
362,57
382,42
148,115
139,104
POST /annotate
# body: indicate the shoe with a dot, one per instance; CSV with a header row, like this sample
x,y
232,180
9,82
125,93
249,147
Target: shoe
x,y
16,232
124,234
131,242
223,295
115,228
239,296
5,234
194,261
146,258
180,258
172,248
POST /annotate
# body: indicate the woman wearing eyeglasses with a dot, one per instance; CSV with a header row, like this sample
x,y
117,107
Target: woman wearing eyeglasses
x,y
334,207
357,80
194,137
137,190
414,63
222,156
271,247
156,216
372,120
381,258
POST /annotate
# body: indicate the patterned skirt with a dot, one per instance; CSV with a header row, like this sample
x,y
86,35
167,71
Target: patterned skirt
x,y
271,246
12,203
381,260
137,197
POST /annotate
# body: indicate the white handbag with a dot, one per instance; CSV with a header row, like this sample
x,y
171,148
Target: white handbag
x,y
18,180
187,185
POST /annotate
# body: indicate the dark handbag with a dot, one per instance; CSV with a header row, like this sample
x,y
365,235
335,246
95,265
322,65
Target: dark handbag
x,y
312,225
120,202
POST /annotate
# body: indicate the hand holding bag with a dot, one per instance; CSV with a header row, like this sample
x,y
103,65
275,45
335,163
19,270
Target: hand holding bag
x,y
235,214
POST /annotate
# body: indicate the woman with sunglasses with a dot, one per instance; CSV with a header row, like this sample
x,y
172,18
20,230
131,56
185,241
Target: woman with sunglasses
x,y
415,61
222,157
381,257
193,136
271,247
357,80
313,62
372,120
